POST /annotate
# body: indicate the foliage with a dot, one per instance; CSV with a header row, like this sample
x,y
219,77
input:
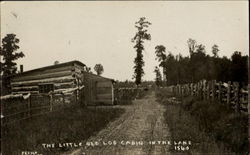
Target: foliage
x,y
158,79
73,124
221,122
99,69
141,35
239,67
160,52
214,127
191,45
87,69
9,54
56,62
183,126
200,65
215,50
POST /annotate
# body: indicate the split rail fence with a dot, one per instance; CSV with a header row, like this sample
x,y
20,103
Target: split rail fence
x,y
229,93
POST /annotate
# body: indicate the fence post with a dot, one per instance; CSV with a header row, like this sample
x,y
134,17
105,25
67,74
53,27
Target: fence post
x,y
177,89
236,94
204,89
229,93
63,98
200,90
181,88
195,89
192,89
213,90
208,90
29,105
51,101
220,93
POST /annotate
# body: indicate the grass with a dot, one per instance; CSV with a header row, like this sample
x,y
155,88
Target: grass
x,y
212,127
74,124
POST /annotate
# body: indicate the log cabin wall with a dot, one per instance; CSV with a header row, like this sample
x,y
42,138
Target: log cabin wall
x,y
56,77
64,76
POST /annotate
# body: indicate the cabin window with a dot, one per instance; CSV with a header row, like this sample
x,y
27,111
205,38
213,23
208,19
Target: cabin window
x,y
46,88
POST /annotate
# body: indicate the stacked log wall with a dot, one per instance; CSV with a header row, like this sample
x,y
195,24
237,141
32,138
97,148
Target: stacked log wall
x,y
61,77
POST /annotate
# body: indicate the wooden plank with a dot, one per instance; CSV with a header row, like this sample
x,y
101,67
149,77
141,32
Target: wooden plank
x,y
25,92
64,85
48,80
43,76
27,88
104,84
104,96
104,90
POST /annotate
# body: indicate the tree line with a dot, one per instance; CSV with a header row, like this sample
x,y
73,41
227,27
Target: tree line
x,y
178,69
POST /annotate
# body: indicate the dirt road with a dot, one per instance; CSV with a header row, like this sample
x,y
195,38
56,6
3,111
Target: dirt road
x,y
131,134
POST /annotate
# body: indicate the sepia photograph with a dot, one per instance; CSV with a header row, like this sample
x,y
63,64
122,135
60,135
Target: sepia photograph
x,y
124,77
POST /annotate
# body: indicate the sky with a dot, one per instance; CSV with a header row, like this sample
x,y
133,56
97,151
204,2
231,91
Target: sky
x,y
101,31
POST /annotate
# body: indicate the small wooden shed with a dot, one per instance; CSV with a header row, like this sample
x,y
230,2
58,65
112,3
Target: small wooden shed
x,y
64,76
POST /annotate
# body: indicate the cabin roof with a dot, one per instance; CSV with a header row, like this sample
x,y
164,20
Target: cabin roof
x,y
51,67
58,65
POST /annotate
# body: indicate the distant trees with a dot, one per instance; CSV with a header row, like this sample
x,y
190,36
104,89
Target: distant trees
x,y
9,54
138,39
199,65
160,52
239,67
191,45
99,69
158,78
56,62
87,69
215,50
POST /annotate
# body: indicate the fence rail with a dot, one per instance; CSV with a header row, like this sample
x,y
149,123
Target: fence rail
x,y
229,93
20,107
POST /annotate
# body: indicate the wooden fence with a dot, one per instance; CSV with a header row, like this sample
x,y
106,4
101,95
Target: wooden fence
x,y
21,107
126,95
229,93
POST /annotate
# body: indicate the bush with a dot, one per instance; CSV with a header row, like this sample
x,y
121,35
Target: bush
x,y
214,127
221,122
233,131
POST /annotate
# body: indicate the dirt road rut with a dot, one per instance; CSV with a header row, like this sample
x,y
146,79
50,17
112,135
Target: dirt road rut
x,y
133,133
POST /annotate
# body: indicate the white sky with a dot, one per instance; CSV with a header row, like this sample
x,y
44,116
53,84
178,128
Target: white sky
x,y
100,32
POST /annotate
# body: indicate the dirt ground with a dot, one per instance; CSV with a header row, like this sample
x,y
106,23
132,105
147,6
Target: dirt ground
x,y
131,134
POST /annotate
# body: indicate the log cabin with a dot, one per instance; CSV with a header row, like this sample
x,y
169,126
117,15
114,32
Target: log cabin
x,y
59,78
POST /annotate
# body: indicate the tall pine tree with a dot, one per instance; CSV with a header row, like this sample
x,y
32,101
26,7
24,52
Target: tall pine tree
x,y
9,56
141,35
